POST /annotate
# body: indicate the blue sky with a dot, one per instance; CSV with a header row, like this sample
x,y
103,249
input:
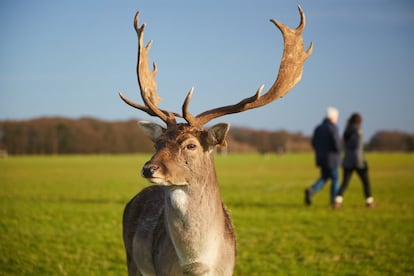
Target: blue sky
x,y
71,58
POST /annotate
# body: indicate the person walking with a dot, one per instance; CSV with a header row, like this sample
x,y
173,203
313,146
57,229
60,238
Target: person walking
x,y
327,146
354,160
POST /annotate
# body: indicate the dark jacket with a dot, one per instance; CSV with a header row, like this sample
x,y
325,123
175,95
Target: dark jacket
x,y
327,145
354,148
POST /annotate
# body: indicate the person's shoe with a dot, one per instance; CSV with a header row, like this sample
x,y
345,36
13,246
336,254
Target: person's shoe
x,y
369,202
308,197
338,202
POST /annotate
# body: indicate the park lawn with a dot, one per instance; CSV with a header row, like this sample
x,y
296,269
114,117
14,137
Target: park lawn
x,y
61,215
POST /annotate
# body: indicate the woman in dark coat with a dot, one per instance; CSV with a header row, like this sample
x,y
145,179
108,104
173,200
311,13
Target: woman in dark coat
x,y
354,160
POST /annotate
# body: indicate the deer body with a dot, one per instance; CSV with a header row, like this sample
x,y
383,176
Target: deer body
x,y
187,230
179,226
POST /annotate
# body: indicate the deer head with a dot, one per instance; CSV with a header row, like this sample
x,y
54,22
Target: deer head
x,y
290,73
181,152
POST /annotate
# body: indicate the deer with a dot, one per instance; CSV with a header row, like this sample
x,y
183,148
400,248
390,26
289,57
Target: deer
x,y
179,225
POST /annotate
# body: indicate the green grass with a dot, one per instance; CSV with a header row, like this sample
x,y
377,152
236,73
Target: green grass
x,y
61,215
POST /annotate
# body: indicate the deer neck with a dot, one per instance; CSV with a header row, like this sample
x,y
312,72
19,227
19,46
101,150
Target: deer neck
x,y
195,219
186,202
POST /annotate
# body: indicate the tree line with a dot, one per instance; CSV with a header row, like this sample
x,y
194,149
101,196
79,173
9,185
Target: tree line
x,y
93,136
67,136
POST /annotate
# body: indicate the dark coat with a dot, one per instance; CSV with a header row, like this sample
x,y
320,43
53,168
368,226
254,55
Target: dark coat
x,y
327,145
354,148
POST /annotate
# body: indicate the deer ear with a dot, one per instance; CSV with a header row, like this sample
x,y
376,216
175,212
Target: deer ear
x,y
152,130
217,134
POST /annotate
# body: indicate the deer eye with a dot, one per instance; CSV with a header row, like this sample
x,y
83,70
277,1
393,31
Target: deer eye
x,y
190,147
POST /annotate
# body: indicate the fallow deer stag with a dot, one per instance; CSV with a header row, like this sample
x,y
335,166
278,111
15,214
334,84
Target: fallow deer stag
x,y
180,225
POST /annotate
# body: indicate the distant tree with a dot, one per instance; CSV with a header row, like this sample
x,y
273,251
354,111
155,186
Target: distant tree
x,y
91,136
270,141
66,136
391,141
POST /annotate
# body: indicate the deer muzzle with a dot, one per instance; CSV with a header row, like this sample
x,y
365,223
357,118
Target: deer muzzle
x,y
149,170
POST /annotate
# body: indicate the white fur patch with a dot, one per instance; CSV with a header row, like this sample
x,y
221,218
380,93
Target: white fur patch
x,y
179,200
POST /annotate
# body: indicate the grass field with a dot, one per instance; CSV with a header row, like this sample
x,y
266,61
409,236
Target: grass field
x,y
61,215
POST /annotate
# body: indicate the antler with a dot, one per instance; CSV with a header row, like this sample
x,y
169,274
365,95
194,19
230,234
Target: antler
x,y
290,73
146,81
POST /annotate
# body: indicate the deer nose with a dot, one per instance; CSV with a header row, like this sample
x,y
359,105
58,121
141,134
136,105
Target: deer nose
x,y
149,169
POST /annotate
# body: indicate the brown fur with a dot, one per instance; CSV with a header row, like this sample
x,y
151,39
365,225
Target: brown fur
x,y
196,238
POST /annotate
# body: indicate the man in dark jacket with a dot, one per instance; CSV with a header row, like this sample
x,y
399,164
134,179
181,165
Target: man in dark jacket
x,y
327,145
